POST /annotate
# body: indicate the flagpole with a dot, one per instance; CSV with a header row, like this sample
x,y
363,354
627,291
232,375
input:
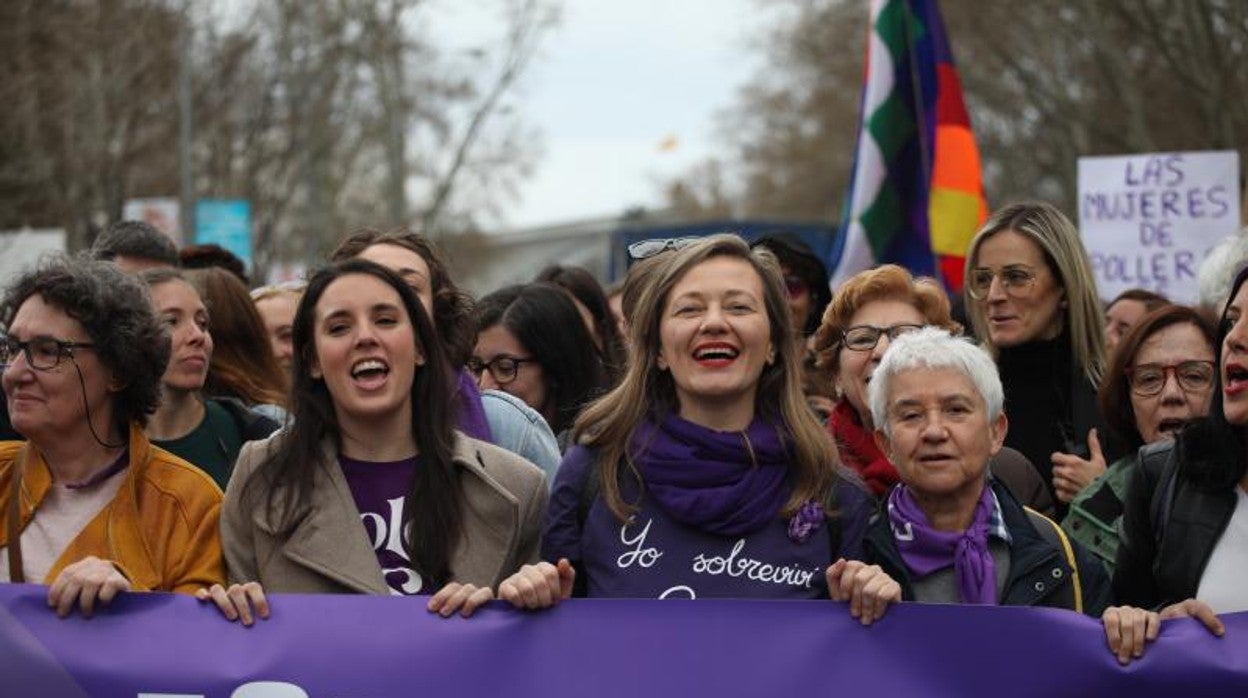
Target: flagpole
x,y
921,117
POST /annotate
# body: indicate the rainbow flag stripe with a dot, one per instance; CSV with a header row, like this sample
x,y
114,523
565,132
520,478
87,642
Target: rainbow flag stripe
x,y
916,195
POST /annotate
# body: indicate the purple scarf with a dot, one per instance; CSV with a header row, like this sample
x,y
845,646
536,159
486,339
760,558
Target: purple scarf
x,y
472,419
925,549
729,483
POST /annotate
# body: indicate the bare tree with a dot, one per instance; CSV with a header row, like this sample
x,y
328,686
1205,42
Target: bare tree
x,y
325,114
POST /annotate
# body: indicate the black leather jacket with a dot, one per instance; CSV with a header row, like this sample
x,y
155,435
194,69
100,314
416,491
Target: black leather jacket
x,y
1169,529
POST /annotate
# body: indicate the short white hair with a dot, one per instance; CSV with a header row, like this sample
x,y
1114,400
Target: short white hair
x,y
1218,270
935,349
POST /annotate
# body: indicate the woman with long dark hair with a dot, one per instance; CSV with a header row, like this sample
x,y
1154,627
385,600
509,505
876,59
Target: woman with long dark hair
x,y
490,416
532,343
592,301
371,485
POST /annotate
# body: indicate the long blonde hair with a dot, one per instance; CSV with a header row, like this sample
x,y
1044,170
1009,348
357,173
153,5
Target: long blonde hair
x,y
1058,238
608,424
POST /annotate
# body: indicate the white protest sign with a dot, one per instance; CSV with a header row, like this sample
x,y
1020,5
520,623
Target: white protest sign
x,y
1149,220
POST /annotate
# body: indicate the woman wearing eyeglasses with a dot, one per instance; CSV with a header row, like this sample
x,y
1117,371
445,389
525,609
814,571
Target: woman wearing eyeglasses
x,y
1161,377
1031,297
88,505
1184,529
532,343
868,312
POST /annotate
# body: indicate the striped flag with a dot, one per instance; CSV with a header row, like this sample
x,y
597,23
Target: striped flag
x,y
915,196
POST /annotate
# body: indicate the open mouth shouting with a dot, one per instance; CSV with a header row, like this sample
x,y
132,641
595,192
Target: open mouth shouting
x,y
1234,379
370,374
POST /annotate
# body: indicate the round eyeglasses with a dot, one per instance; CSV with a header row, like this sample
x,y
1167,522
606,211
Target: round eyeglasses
x,y
502,368
1149,379
1016,280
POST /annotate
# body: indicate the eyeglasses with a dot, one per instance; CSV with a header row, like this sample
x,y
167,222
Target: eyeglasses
x,y
646,249
794,285
865,337
1015,280
42,353
502,368
1149,379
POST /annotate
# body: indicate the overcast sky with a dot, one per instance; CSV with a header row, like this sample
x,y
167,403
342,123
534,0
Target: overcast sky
x,y
614,80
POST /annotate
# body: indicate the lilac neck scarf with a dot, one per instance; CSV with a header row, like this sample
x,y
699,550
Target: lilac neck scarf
x,y
729,483
925,549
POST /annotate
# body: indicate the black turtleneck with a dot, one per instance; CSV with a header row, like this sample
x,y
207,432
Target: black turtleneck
x,y
1050,403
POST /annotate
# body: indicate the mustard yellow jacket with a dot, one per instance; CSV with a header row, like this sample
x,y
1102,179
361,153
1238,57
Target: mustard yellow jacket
x,y
161,529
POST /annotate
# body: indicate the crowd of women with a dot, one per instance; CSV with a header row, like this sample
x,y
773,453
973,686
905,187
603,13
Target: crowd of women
x,y
733,430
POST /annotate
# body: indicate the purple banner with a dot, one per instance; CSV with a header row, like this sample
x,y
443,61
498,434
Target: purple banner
x,y
352,646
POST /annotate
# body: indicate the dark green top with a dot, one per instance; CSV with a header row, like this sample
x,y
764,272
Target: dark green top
x,y
212,446
1096,511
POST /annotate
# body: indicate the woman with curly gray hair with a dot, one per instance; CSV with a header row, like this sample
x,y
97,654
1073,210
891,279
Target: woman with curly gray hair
x,y
88,505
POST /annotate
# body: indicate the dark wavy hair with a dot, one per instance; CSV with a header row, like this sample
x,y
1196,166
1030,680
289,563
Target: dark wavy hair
x,y
1212,449
1115,393
545,321
452,308
116,312
586,289
243,365
432,519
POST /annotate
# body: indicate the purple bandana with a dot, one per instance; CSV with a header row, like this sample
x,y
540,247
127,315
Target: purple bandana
x,y
926,550
730,483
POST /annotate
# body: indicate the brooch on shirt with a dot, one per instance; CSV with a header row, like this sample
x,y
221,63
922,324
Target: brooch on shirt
x,y
806,521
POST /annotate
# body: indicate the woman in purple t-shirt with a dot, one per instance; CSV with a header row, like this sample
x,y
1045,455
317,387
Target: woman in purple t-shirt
x,y
704,473
371,489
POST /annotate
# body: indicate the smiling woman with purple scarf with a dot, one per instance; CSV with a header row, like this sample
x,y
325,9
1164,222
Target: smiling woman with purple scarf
x,y
951,533
704,474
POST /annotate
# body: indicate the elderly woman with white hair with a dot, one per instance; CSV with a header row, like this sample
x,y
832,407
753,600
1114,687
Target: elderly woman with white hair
x,y
950,533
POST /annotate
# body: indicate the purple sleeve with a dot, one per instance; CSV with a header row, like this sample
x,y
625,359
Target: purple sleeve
x,y
855,509
562,537
471,413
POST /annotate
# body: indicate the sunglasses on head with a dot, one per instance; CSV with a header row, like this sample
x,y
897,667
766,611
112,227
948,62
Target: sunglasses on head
x,y
646,249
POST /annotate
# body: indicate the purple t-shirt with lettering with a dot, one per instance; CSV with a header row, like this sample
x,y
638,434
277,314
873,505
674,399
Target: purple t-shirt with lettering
x,y
655,556
380,491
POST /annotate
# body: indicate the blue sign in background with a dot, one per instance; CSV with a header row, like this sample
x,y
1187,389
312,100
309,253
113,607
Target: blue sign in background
x,y
226,222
